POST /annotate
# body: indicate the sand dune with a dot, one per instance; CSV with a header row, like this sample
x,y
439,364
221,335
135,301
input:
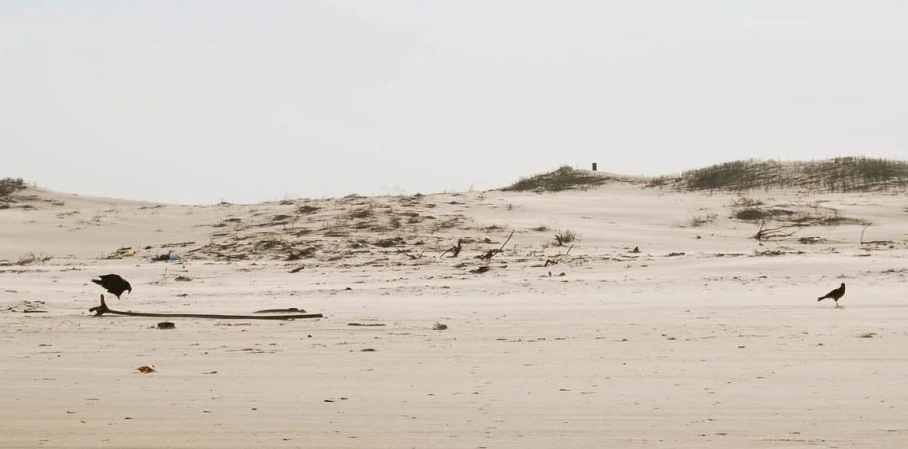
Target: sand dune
x,y
706,337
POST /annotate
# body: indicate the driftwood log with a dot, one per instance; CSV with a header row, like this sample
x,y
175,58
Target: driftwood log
x,y
454,250
488,256
765,233
102,309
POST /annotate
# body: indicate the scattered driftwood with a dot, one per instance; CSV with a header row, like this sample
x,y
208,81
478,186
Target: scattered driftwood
x,y
480,270
197,249
796,224
366,324
177,245
454,250
555,260
296,270
488,256
412,256
290,310
102,309
765,233
874,242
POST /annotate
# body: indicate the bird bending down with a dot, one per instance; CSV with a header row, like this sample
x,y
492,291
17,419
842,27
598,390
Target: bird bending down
x,y
835,295
114,284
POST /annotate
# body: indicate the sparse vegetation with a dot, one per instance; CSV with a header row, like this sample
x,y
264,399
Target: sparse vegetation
x,y
9,186
751,214
700,220
796,222
394,222
784,220
32,258
777,213
361,213
449,222
844,174
661,181
562,178
836,220
745,202
565,236
332,231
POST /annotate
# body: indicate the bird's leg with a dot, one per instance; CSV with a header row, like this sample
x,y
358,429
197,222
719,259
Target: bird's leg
x,y
100,310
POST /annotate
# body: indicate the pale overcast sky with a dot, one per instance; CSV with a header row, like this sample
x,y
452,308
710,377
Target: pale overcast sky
x,y
201,101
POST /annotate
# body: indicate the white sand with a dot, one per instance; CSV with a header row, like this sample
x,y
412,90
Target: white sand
x,y
624,350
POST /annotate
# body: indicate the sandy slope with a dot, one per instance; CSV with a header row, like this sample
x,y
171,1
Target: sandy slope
x,y
721,346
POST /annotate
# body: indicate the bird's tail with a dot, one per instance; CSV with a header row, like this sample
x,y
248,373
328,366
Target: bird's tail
x,y
96,281
821,298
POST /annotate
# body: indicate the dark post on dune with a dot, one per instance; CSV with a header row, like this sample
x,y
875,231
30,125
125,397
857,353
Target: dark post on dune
x,y
594,166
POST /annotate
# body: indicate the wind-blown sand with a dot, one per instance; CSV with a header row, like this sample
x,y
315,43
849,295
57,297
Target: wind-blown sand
x,y
721,344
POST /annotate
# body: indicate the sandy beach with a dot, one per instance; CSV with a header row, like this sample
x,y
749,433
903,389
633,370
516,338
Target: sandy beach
x,y
704,337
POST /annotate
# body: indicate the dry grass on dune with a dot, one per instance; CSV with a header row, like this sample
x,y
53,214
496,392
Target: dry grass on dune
x,y
9,186
562,178
334,230
844,174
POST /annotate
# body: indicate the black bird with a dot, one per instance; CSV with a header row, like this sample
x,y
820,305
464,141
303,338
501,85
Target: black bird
x,y
114,284
835,294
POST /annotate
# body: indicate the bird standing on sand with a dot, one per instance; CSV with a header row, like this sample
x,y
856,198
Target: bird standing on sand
x,y
114,284
835,295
